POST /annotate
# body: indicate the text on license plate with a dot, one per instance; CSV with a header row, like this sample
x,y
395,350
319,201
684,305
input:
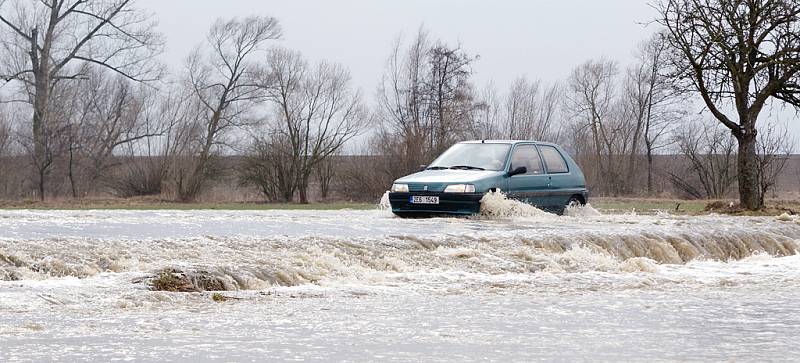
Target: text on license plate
x,y
424,200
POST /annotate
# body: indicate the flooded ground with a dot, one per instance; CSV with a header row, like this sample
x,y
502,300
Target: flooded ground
x,y
515,284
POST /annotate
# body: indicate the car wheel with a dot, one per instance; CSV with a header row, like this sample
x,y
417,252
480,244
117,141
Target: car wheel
x,y
574,202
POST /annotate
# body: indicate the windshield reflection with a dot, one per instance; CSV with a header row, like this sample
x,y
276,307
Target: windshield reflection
x,y
473,157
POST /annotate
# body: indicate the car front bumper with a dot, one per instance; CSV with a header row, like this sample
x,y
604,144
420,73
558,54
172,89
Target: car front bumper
x,y
449,203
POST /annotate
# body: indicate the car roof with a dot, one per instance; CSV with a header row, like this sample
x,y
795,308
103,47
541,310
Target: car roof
x,y
512,142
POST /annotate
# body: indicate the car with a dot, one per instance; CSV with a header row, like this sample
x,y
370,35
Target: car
x,y
538,173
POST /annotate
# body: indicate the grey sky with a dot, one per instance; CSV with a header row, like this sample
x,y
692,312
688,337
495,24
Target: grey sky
x,y
537,38
541,39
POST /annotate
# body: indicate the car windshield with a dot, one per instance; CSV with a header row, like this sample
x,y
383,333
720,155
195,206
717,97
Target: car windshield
x,y
473,157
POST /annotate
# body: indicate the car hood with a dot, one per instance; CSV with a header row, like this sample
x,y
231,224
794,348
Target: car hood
x,y
448,176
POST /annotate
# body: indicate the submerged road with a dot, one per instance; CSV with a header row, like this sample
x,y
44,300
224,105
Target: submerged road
x,y
365,286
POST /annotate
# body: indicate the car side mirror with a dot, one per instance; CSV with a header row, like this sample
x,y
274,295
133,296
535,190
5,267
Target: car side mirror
x,y
518,171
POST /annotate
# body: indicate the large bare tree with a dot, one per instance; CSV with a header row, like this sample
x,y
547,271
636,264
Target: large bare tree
x,y
316,113
738,56
47,42
424,98
591,99
223,76
664,106
651,107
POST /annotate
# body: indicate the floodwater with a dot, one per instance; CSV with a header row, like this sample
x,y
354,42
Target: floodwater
x,y
514,284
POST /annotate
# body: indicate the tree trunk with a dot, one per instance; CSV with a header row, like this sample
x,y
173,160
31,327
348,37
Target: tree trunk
x,y
72,173
41,184
302,188
40,64
287,195
749,190
649,172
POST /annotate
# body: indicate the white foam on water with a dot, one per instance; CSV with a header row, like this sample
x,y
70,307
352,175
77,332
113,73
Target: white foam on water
x,y
498,205
384,204
581,211
294,276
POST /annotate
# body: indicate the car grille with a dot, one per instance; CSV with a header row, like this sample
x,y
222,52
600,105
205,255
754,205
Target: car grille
x,y
434,187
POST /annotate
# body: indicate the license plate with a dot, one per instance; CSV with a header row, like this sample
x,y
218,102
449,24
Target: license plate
x,y
424,200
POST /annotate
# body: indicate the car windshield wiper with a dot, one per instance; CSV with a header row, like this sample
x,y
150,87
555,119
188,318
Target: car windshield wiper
x,y
437,168
466,167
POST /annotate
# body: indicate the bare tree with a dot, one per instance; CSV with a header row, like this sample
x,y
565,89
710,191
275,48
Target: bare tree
x,y
739,55
5,145
651,107
223,78
5,134
53,142
663,105
424,97
487,119
591,101
108,114
712,153
171,115
269,167
324,173
531,111
774,148
316,112
45,43
448,94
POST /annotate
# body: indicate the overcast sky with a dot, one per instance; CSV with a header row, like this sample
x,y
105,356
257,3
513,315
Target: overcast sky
x,y
538,38
541,39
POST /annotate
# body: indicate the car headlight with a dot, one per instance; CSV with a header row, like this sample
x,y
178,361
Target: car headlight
x,y
460,188
399,188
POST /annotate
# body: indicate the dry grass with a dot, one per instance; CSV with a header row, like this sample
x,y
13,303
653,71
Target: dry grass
x,y
693,207
158,204
172,281
217,297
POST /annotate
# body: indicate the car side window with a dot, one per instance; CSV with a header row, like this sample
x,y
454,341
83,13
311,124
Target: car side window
x,y
553,159
527,156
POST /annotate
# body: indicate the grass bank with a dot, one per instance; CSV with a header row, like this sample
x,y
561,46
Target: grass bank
x,y
138,204
692,207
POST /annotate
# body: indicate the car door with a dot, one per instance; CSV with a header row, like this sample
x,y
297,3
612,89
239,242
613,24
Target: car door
x,y
558,174
532,186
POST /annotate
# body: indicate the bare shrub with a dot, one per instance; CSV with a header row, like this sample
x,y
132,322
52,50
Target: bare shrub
x,y
711,150
774,148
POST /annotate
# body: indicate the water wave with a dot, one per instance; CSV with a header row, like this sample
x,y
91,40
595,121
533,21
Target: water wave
x,y
252,263
498,205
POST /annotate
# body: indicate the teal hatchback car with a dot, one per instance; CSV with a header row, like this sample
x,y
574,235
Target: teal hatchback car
x,y
537,173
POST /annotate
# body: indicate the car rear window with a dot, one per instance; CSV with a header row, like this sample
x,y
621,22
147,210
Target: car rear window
x,y
553,160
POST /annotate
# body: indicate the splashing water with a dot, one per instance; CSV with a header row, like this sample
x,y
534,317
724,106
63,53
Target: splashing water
x,y
581,211
384,204
497,205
